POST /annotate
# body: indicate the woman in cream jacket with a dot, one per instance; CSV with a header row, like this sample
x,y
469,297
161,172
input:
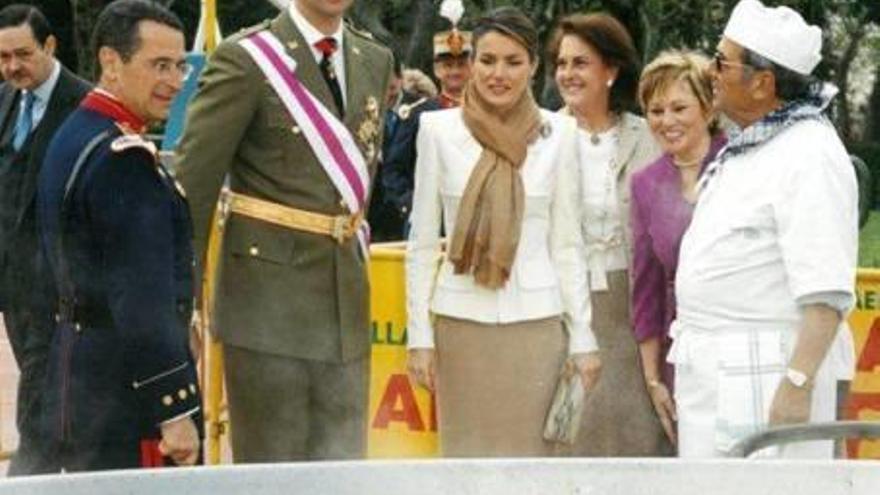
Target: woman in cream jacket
x,y
597,72
492,328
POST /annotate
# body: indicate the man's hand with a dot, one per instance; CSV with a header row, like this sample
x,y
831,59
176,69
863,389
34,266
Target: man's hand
x,y
791,404
421,367
180,441
196,331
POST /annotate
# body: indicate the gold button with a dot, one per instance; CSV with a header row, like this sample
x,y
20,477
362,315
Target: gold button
x,y
296,130
182,394
254,250
167,400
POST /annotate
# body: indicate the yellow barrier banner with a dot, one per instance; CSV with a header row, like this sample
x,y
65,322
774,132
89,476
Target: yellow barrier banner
x,y
402,420
864,398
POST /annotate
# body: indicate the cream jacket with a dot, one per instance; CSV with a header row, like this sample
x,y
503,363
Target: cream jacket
x,y
548,277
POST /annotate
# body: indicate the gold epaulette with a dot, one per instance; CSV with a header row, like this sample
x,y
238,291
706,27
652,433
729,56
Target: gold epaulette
x,y
404,111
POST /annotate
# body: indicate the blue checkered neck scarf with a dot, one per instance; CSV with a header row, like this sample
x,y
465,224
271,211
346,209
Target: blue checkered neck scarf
x,y
811,107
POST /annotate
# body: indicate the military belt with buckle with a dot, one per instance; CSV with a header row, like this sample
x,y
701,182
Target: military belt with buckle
x,y
338,227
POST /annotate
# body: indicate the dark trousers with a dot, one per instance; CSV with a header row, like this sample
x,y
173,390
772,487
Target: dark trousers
x,y
29,335
288,409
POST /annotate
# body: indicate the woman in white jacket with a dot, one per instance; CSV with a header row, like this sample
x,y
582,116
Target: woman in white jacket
x,y
492,329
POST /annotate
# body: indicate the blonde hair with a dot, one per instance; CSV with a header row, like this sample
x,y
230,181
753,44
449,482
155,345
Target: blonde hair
x,y
417,83
671,66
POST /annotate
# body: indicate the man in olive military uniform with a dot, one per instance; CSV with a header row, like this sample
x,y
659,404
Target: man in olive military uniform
x,y
122,387
292,303
452,51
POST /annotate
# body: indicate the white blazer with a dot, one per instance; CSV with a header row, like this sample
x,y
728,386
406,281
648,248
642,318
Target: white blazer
x,y
548,276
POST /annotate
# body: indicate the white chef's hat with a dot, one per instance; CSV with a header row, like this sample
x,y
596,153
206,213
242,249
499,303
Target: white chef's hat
x,y
779,34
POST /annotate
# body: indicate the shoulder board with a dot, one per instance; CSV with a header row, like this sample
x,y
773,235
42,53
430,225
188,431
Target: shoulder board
x,y
247,31
133,141
405,111
363,33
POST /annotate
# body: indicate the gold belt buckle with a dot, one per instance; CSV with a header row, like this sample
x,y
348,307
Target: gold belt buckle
x,y
340,228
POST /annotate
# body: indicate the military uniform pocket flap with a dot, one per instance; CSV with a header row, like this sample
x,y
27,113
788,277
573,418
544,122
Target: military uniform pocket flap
x,y
255,239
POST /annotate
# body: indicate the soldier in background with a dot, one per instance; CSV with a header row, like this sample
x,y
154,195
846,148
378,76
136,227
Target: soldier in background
x,y
452,67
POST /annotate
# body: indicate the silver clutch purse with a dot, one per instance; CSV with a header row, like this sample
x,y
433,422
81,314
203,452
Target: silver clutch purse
x,y
564,417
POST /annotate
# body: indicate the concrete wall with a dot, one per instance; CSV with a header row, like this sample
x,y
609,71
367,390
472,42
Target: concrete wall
x,y
468,477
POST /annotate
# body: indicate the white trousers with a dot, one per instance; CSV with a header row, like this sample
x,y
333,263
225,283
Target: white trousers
x,y
724,385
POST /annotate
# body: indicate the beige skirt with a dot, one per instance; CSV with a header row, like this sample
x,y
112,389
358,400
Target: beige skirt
x,y
495,384
619,419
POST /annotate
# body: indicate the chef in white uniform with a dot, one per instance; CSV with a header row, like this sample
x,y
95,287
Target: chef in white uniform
x,y
767,269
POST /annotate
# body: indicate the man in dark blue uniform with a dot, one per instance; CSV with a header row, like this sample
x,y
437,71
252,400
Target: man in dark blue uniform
x,y
116,231
37,94
452,50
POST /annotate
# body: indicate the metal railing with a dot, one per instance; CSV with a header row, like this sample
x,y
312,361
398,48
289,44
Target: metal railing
x,y
782,435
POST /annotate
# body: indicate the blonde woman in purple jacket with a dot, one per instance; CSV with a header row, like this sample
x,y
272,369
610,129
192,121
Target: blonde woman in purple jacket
x,y
676,94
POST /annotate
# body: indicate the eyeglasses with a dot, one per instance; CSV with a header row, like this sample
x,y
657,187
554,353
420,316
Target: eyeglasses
x,y
721,61
167,68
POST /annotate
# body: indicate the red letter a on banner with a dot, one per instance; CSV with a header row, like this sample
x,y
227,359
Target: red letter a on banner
x,y
870,357
408,412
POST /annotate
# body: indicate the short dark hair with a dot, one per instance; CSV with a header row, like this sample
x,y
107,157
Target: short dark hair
x,y
17,14
511,22
790,85
118,25
605,34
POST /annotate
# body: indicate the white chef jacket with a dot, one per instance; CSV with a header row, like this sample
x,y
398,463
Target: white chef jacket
x,y
775,224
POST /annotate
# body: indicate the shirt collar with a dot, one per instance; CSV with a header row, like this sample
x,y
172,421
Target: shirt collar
x,y
310,32
44,90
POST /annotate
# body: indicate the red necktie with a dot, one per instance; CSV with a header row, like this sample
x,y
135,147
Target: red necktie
x,y
327,47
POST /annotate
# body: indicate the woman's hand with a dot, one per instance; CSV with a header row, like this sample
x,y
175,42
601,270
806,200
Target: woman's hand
x,y
421,366
588,365
664,406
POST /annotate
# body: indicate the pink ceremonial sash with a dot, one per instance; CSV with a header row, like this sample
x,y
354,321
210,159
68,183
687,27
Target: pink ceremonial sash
x,y
330,140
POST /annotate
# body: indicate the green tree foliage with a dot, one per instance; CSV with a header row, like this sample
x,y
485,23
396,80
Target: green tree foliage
x,y
407,26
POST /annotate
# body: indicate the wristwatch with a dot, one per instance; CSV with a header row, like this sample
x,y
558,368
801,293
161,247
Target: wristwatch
x,y
797,378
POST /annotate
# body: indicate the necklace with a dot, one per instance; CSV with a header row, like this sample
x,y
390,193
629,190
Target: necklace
x,y
687,164
595,135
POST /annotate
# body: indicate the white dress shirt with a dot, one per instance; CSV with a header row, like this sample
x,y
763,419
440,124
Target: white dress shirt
x,y
548,276
602,224
312,35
